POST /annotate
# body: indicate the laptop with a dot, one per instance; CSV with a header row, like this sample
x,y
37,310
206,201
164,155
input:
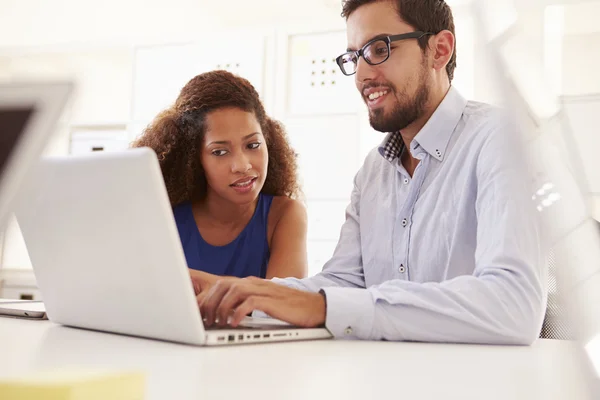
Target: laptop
x,y
28,309
28,116
107,256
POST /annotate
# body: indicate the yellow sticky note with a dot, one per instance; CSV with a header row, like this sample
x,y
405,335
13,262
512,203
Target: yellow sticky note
x,y
74,385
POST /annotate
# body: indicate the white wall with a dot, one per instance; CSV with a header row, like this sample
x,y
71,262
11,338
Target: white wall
x,y
95,43
581,64
42,23
580,84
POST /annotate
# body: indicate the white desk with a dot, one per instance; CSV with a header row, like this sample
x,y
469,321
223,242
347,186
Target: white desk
x,y
325,369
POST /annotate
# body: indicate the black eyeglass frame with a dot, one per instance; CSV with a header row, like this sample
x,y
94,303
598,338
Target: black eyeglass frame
x,y
387,40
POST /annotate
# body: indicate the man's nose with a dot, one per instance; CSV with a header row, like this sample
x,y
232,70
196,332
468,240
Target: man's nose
x,y
365,72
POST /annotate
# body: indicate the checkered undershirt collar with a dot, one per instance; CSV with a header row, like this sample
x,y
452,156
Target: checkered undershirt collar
x,y
393,146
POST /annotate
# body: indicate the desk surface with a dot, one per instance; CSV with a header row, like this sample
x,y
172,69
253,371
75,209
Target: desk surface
x,y
328,369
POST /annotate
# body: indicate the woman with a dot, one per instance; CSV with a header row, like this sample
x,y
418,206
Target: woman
x,y
231,178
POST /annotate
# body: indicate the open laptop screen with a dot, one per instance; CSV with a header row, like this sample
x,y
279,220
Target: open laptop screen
x,y
12,128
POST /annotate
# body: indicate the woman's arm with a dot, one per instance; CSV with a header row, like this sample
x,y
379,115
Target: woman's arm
x,y
288,242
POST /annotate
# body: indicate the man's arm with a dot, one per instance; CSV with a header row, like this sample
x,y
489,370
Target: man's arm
x,y
345,268
503,302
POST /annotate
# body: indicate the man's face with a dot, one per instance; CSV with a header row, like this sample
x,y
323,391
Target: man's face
x,y
396,92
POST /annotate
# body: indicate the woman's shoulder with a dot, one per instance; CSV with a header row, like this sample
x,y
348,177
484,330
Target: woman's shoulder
x,y
284,206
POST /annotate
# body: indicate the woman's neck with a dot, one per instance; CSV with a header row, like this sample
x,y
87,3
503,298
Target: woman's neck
x,y
224,213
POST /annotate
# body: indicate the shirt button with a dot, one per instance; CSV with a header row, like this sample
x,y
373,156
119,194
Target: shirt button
x,y
406,181
348,331
402,269
404,222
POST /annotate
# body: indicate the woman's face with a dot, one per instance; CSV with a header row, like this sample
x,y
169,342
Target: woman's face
x,y
234,155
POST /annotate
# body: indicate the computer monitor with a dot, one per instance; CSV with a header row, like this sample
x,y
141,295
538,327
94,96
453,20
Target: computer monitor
x,y
28,115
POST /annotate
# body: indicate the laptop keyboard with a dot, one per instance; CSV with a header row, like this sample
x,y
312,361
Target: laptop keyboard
x,y
257,324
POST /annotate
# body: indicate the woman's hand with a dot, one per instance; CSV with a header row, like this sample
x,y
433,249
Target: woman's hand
x,y
201,280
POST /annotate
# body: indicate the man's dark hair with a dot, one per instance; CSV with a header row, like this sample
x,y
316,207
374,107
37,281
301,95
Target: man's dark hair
x,y
424,15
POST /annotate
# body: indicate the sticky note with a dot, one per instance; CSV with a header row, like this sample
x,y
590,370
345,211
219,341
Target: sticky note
x,y
74,385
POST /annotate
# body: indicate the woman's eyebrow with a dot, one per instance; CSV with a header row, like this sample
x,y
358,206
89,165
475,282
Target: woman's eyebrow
x,y
228,142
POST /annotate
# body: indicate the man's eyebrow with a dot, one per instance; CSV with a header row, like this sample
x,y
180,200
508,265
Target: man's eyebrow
x,y
380,36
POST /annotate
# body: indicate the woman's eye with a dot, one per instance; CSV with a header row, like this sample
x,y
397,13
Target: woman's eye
x,y
219,152
254,146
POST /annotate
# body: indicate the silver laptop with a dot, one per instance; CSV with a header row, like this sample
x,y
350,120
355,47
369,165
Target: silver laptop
x,y
29,309
107,256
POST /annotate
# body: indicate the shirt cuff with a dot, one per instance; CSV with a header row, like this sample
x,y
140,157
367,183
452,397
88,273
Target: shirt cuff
x,y
350,312
259,314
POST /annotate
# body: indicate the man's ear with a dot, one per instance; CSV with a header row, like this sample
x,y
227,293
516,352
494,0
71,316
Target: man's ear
x,y
442,47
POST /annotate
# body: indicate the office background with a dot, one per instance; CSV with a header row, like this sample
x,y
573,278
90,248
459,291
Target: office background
x,y
130,58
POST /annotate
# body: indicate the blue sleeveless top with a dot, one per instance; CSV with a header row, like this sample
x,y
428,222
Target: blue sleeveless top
x,y
246,255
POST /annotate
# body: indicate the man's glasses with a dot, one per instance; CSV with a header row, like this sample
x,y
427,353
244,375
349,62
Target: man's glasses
x,y
374,52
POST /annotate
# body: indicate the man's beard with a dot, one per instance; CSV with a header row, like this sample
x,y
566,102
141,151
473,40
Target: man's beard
x,y
405,111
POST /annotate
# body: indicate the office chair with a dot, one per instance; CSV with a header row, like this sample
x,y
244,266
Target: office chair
x,y
556,325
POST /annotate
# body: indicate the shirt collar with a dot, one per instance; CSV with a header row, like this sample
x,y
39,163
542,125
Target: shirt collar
x,y
436,133
392,146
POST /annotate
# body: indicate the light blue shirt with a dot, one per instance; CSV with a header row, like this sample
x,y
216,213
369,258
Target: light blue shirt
x,y
452,254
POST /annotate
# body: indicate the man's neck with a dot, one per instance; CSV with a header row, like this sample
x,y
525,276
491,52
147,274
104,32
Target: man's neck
x,y
410,132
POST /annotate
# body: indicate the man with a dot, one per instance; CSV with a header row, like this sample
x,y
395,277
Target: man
x,y
441,241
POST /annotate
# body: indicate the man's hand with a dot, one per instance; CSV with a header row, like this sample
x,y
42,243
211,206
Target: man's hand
x,y
235,298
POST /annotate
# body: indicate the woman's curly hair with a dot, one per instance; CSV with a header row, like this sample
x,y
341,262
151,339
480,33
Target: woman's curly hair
x,y
177,134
